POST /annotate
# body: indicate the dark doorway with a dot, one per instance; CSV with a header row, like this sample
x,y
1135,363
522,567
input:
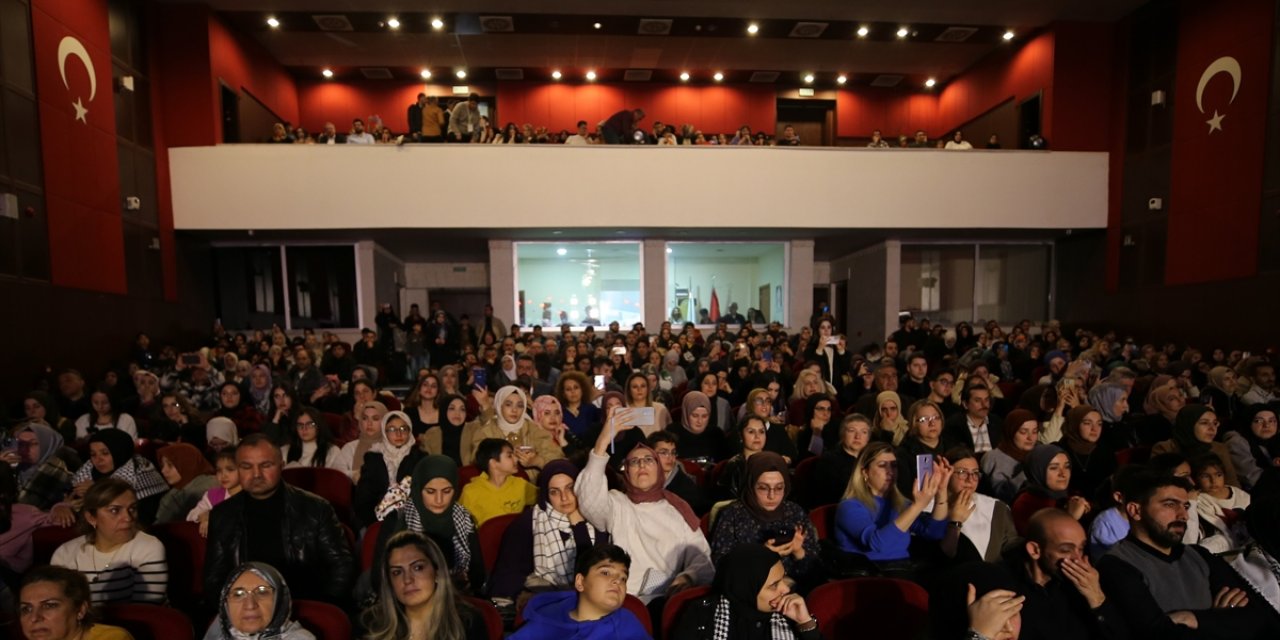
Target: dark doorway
x,y
230,115
459,302
1028,121
813,120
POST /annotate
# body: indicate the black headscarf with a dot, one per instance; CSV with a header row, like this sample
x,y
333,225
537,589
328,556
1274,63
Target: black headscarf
x,y
439,526
740,575
1263,450
1184,430
551,470
450,434
118,443
1037,467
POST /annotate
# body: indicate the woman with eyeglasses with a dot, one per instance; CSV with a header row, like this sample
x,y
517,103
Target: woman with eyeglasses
x,y
386,463
764,515
1253,443
890,426
834,468
309,444
819,427
256,604
1003,466
43,478
924,438
979,524
121,563
53,604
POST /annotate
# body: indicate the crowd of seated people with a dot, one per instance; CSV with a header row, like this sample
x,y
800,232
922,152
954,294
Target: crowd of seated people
x,y
1036,483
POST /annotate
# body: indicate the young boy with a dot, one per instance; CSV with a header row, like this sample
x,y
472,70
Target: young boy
x,y
497,491
593,610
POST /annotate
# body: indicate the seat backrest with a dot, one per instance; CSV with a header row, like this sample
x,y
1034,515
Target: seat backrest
x,y
870,607
713,478
1133,455
491,538
184,548
466,473
802,478
697,471
369,547
636,606
492,617
325,621
675,606
821,517
149,621
46,540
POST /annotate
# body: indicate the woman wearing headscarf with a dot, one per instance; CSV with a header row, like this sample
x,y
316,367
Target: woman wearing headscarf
x,y
219,434
189,475
818,425
1048,485
259,388
1004,466
1253,443
668,550
890,426
446,439
1163,402
256,604
1092,461
111,455
695,439
40,408
1112,402
385,464
721,412
43,478
749,600
233,405
1258,562
1220,393
1195,433
540,546
351,455
426,502
672,374
506,420
763,514
549,415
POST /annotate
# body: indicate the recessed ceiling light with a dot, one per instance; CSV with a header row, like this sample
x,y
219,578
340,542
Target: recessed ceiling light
x,y
863,31
273,23
718,76
684,76
425,73
597,25
462,73
591,75
668,249
555,74
841,79
1008,35
394,23
561,251
328,73
437,24
808,78
753,28
930,82
903,32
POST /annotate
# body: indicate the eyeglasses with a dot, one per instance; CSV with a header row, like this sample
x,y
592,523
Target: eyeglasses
x,y
240,594
927,419
172,405
666,453
965,474
760,401
1261,420
28,444
399,429
310,424
647,461
768,490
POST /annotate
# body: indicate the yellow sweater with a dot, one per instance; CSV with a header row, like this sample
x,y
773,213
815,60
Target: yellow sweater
x,y
486,501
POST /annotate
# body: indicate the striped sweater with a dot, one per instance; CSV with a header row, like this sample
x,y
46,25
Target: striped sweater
x,y
134,572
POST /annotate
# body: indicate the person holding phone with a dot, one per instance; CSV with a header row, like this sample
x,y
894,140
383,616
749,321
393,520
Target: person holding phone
x,y
576,396
504,417
763,514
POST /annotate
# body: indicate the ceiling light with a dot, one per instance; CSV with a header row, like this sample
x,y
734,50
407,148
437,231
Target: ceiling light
x,y
437,24
718,76
273,23
394,23
597,25
668,249
808,78
561,251
903,32
328,73
753,28
591,75
930,82
863,31
1008,35
461,73
555,74
425,73
841,79
684,76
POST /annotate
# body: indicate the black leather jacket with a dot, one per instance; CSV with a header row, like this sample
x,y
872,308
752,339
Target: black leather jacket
x,y
320,563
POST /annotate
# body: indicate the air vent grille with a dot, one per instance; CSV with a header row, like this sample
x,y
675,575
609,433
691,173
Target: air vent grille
x,y
332,22
808,29
654,27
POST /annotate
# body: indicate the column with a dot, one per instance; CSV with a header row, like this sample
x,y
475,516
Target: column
x,y
653,278
799,283
502,279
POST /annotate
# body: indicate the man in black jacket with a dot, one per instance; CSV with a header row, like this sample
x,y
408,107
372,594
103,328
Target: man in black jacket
x,y
269,521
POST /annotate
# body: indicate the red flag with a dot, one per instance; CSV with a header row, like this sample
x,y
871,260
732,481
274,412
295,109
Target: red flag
x,y
78,139
715,305
1219,118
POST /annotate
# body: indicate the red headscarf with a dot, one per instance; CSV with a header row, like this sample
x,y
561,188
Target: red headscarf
x,y
187,460
657,492
1012,423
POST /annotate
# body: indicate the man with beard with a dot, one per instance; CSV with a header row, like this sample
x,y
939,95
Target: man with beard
x,y
1168,590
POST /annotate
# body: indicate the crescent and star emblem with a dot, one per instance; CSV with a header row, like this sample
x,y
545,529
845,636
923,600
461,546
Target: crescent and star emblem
x,y
1229,66
71,47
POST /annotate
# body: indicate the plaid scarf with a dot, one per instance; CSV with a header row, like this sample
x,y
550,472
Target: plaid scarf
x,y
779,626
138,472
397,499
553,548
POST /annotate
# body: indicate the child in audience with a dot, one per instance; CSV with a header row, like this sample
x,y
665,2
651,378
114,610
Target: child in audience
x,y
496,491
1220,506
228,485
593,609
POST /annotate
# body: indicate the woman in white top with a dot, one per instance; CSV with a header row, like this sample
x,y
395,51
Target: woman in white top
x,y
121,563
351,455
309,444
105,415
668,551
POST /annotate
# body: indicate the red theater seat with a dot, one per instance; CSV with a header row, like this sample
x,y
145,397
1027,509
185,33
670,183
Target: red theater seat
x,y
149,621
492,618
870,608
490,535
326,621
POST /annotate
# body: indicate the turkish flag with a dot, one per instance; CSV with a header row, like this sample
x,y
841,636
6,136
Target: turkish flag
x,y
1219,126
78,140
715,305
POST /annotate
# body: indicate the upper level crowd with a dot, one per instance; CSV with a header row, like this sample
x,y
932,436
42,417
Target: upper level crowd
x,y
734,483
463,122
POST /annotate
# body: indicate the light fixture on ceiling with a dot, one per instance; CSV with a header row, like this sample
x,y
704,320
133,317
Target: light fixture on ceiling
x,y
425,73
930,82
273,22
561,251
684,76
437,24
394,23
718,76
903,32
461,73
863,31
1008,35
841,79
597,25
591,75
808,78
753,28
668,249
555,75
328,73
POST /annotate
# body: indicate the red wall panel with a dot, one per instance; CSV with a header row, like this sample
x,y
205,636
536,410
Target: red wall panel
x,y
244,65
711,109
321,101
1083,63
997,78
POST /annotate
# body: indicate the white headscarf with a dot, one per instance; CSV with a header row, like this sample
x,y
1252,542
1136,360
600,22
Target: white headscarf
x,y
392,454
499,398
222,428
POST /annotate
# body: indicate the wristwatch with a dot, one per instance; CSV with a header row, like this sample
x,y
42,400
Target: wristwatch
x,y
974,635
956,524
811,625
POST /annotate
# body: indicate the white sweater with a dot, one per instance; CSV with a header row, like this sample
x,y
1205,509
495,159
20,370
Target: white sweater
x,y
660,542
134,572
125,423
309,452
